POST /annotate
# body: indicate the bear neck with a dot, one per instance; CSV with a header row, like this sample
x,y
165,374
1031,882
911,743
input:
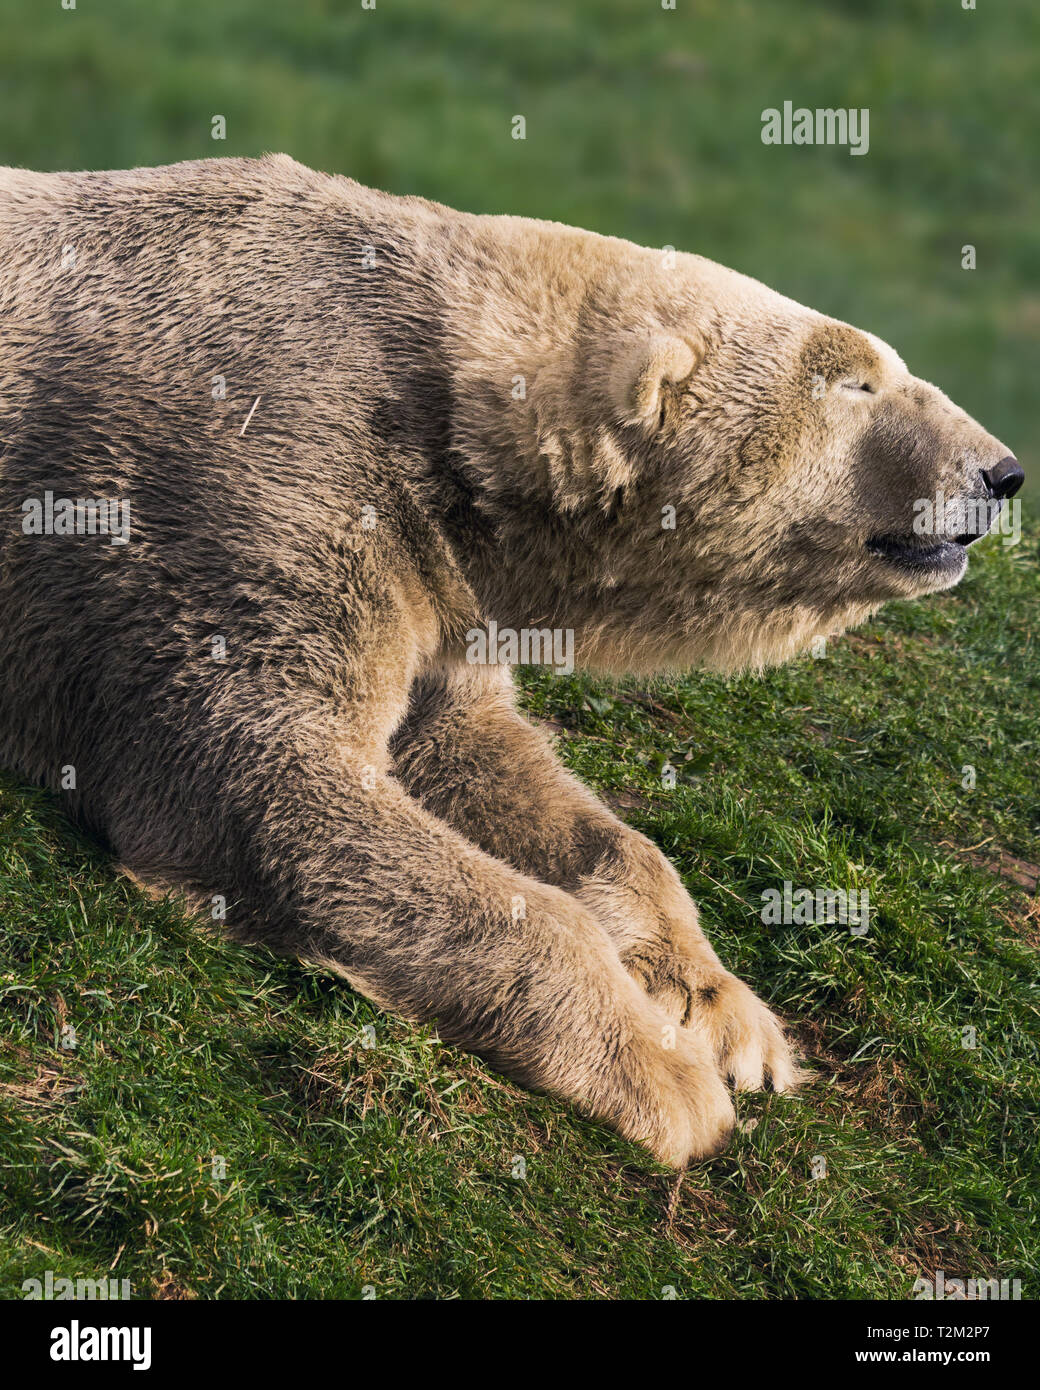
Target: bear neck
x,y
533,469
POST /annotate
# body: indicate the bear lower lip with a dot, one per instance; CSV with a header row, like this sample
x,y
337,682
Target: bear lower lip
x,y
909,554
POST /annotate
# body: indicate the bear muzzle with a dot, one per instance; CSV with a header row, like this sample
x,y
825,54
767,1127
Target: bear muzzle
x,y
945,527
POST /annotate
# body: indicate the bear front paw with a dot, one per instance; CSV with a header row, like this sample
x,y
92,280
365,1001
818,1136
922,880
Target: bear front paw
x,y
685,1113
745,1038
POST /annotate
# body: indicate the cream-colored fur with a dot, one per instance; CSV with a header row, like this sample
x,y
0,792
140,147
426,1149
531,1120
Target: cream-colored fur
x,y
431,421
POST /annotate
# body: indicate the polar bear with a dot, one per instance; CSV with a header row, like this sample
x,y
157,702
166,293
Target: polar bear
x,y
275,446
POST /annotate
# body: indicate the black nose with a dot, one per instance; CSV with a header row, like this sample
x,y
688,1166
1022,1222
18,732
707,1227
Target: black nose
x,y
1004,478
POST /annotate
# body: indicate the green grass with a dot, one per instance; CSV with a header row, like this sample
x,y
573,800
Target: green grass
x,y
392,1166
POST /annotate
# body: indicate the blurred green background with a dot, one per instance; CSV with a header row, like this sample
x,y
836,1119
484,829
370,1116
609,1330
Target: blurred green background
x,y
641,122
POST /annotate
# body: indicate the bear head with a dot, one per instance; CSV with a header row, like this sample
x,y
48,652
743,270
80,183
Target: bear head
x,y
724,475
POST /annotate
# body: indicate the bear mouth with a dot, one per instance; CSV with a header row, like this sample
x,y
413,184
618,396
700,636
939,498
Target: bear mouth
x,y
916,556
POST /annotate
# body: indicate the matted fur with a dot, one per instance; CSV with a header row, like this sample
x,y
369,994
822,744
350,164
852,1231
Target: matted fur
x,y
429,420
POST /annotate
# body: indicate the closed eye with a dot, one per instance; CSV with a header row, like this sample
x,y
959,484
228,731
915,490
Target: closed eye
x,y
854,385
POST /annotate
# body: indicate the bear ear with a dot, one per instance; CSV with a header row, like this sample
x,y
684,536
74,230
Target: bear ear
x,y
640,376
